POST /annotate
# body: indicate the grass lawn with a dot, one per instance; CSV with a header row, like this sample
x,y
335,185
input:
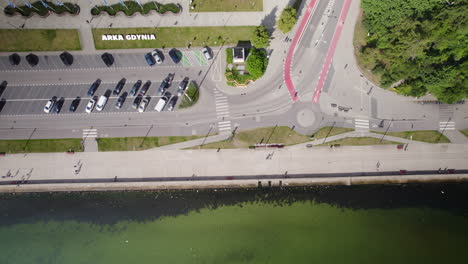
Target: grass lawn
x,y
329,131
40,145
192,92
39,40
169,37
465,132
244,139
359,40
359,141
138,143
429,136
226,5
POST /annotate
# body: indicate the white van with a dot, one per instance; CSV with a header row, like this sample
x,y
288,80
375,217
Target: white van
x,y
161,103
101,103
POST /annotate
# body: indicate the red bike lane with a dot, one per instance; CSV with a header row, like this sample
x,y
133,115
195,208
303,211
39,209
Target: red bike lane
x,y
290,55
331,52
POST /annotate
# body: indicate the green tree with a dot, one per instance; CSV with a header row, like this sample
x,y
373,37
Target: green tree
x,y
420,43
261,37
256,63
287,19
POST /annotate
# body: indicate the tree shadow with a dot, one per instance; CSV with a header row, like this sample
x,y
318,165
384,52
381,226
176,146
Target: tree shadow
x,y
269,21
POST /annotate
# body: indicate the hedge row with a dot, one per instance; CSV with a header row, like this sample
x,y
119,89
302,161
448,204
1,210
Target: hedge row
x,y
133,7
41,10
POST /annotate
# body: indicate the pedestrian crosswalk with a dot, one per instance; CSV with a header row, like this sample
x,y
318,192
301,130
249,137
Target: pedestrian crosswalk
x,y
222,112
446,125
89,133
361,125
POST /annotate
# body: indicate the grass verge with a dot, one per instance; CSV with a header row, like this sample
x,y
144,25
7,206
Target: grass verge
x,y
193,93
464,132
169,37
244,139
330,131
226,6
138,143
39,40
429,136
40,145
359,141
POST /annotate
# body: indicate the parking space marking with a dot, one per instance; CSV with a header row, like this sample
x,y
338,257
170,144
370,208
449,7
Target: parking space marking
x,y
185,60
200,58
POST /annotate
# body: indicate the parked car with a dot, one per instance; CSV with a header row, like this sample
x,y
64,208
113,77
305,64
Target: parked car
x,y
94,87
165,84
145,87
150,59
135,88
90,106
143,105
161,103
182,86
50,104
157,56
32,59
176,55
137,101
119,86
108,59
101,102
14,59
58,105
66,58
74,104
121,100
207,53
172,103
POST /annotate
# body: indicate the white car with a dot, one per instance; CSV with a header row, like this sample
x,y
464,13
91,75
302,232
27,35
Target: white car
x,y
101,103
161,103
142,106
90,106
49,105
207,53
156,56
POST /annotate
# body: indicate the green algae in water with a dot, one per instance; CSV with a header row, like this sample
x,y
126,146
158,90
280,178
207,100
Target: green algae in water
x,y
303,232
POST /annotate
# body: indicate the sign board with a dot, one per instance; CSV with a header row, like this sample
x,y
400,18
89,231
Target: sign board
x,y
129,37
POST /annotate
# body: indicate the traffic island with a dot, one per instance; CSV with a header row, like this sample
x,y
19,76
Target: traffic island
x,y
43,9
190,97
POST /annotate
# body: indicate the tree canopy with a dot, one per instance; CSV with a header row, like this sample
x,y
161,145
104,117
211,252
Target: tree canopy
x,y
261,37
421,43
287,19
256,63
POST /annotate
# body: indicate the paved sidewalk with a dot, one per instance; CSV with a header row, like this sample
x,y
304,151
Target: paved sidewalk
x,y
193,143
456,137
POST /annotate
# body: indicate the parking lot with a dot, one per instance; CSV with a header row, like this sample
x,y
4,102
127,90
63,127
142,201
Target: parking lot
x,y
31,99
94,61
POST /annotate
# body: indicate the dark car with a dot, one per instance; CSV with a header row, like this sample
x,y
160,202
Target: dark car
x,y
14,59
58,105
119,86
145,87
172,103
2,103
94,87
108,59
182,86
165,84
137,101
66,58
150,59
176,55
135,88
121,100
32,59
3,87
74,104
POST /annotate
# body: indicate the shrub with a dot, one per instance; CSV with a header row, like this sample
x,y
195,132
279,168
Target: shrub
x,y
41,10
229,55
287,19
261,37
256,63
133,7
